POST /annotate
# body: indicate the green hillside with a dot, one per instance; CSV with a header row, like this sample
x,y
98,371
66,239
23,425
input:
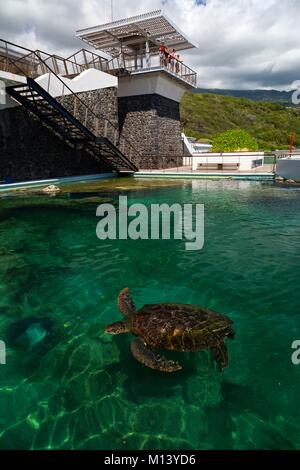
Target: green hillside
x,y
283,97
205,115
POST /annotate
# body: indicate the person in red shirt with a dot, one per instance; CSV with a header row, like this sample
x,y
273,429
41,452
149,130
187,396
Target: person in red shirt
x,y
162,49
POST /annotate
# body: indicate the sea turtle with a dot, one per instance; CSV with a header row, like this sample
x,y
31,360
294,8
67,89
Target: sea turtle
x,y
174,327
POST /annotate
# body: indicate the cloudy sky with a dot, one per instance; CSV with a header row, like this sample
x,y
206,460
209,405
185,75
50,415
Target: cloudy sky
x,y
241,43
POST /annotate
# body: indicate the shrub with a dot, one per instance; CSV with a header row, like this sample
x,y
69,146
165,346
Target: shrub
x,y
233,141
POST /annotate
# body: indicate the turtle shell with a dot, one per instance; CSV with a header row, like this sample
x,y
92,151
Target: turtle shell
x,y
180,327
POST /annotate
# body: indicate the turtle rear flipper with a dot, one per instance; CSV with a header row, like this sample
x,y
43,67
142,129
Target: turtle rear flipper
x,y
231,335
125,303
150,358
220,355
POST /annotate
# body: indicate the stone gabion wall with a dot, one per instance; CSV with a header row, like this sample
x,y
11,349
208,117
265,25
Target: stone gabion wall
x,y
103,103
30,150
152,124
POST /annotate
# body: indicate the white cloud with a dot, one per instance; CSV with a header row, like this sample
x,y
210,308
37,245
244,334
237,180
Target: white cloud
x,y
242,43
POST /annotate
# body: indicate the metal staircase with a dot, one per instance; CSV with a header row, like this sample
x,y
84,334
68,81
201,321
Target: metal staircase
x,y
37,100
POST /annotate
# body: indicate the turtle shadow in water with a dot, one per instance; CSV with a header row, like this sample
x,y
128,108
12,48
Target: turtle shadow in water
x,y
33,337
249,405
238,398
143,382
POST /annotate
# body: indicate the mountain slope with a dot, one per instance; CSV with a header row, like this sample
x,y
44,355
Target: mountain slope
x,y
205,115
283,97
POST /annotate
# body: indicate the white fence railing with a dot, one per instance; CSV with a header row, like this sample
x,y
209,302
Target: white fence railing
x,y
244,161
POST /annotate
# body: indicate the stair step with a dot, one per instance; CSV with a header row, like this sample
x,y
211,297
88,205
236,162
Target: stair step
x,y
36,98
30,93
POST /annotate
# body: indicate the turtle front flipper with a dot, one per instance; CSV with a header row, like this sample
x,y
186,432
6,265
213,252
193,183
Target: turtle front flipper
x,y
150,358
125,303
220,355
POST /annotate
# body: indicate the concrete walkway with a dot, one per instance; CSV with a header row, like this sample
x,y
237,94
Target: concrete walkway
x,y
187,169
261,173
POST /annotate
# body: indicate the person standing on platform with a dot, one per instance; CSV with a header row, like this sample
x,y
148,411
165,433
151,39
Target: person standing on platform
x,y
172,60
162,54
166,61
178,62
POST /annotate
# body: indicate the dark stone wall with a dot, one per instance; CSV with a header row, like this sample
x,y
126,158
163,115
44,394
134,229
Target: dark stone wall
x,y
103,103
152,124
30,150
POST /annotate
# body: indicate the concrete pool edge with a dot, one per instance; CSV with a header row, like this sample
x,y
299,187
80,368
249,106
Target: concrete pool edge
x,y
55,181
142,174
226,175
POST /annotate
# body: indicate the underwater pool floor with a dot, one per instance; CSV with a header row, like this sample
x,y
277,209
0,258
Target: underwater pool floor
x,y
68,385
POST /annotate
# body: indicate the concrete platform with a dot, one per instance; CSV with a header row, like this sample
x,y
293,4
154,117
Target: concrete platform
x,y
9,79
262,173
289,168
54,181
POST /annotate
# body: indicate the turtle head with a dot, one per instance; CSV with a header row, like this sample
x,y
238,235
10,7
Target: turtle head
x,y
117,328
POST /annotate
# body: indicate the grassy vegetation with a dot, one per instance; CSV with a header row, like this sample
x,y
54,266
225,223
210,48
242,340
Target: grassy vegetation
x,y
206,115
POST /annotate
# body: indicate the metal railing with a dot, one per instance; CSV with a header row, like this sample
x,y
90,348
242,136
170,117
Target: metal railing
x,y
278,154
36,63
178,69
221,162
22,61
208,164
89,60
33,62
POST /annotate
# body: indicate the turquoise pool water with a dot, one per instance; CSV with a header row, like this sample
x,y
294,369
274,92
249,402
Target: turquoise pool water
x,y
70,386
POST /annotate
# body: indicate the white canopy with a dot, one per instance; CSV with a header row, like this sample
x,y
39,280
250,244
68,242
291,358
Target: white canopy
x,y
131,35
